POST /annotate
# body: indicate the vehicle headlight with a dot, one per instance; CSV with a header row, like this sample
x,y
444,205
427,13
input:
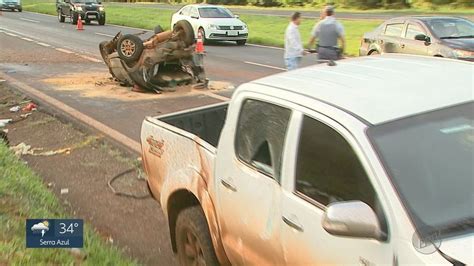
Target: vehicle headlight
x,y
78,8
245,26
463,53
212,26
101,8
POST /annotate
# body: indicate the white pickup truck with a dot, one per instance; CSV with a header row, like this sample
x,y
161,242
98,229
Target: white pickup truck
x,y
367,162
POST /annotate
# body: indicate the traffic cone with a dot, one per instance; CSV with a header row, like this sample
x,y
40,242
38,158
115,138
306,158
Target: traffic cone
x,y
199,44
79,23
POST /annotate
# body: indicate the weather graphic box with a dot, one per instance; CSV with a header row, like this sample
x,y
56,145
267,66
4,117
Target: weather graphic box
x,y
54,233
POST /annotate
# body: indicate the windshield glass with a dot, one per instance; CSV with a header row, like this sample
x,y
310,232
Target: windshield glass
x,y
429,158
215,12
447,28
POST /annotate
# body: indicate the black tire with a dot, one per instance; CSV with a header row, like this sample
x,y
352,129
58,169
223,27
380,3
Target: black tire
x,y
102,20
186,31
87,21
241,42
158,29
193,240
374,52
203,35
61,17
74,18
129,48
20,10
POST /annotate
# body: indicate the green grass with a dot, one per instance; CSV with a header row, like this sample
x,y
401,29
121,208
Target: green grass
x,y
23,195
264,30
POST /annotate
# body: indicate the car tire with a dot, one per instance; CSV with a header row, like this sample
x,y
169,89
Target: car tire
x,y
87,21
129,48
61,17
102,20
74,18
193,240
186,30
20,10
241,42
203,34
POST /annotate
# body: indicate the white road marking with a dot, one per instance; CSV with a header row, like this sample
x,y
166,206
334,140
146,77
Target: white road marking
x,y
263,65
265,46
30,20
11,34
27,39
64,51
95,60
103,34
43,44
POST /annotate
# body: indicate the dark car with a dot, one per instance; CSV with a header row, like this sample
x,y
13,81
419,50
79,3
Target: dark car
x,y
451,37
11,5
87,10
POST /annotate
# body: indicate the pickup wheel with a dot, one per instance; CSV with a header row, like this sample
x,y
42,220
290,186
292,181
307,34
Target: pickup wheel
x,y
74,18
102,20
61,17
185,30
193,239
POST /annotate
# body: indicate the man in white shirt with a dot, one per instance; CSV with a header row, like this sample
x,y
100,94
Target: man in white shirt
x,y
328,32
293,44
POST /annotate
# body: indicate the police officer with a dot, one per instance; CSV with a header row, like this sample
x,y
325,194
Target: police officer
x,y
328,31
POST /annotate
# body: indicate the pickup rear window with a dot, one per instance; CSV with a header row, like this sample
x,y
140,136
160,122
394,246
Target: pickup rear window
x,y
260,136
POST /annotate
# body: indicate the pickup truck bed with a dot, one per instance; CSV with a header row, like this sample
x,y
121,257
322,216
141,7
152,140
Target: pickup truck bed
x,y
205,122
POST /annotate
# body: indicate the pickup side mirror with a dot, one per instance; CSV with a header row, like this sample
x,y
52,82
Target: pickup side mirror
x,y
236,16
352,219
423,38
99,2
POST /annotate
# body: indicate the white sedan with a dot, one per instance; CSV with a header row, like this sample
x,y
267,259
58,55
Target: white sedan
x,y
213,22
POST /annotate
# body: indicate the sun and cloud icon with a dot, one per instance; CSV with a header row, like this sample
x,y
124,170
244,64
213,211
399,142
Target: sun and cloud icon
x,y
41,227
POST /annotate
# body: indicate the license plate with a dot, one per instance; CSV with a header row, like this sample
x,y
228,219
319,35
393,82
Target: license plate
x,y
232,33
91,16
11,5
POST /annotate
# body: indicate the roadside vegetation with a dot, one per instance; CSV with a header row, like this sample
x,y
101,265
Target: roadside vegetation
x,y
23,195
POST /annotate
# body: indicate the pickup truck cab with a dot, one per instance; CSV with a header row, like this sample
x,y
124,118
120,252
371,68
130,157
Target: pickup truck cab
x,y
367,162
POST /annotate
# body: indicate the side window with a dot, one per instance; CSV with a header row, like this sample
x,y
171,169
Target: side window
x,y
260,136
327,168
394,29
185,11
412,31
194,12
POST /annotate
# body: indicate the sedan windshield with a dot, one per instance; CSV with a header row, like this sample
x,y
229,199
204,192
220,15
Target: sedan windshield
x,y
215,12
451,28
429,158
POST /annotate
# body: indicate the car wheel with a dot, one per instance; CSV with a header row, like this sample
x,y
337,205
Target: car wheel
x,y
129,48
61,17
20,10
193,240
241,42
87,21
186,31
203,35
74,18
102,20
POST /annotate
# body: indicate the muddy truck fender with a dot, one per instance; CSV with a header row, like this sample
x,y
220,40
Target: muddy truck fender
x,y
179,167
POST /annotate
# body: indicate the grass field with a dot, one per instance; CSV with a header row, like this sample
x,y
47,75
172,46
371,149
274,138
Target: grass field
x,y
260,31
23,195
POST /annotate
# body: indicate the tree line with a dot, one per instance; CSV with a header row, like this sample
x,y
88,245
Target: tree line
x,y
361,4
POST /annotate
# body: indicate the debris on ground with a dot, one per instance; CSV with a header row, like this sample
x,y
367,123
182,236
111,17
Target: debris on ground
x,y
4,122
162,62
25,115
24,149
3,136
30,107
15,109
220,85
64,191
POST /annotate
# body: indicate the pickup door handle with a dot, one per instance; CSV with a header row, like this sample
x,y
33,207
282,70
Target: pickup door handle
x,y
293,224
228,185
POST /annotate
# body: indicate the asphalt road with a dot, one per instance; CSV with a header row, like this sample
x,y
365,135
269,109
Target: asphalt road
x,y
223,62
305,13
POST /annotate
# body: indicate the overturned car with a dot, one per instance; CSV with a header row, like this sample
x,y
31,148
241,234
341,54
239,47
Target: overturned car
x,y
160,63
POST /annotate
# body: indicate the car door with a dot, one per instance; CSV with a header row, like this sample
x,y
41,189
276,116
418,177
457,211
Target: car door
x,y
248,189
194,19
326,169
411,46
181,14
390,37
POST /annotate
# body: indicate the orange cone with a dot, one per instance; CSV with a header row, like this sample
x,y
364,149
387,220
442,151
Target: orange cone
x,y
199,44
79,24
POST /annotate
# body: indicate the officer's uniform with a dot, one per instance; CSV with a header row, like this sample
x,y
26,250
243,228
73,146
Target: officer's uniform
x,y
328,31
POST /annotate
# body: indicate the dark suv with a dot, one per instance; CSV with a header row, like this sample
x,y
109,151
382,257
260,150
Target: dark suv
x,y
451,37
11,5
87,10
